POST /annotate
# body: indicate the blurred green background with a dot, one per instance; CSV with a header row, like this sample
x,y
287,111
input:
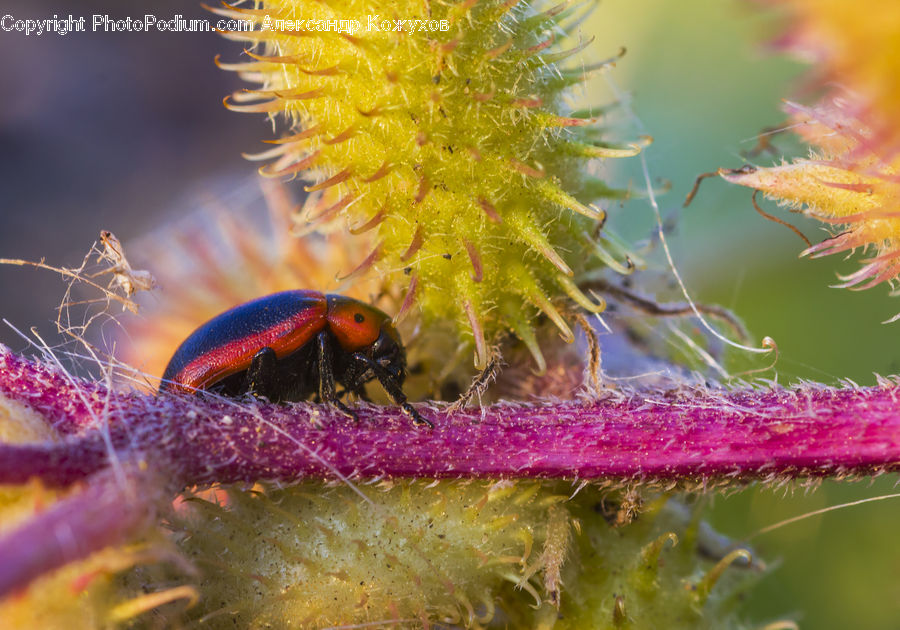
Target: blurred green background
x,y
704,84
118,131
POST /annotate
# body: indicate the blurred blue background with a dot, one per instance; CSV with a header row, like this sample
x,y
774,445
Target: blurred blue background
x,y
117,131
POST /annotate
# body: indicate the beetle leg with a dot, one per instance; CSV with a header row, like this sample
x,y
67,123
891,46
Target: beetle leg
x,y
327,391
360,391
262,375
356,380
393,389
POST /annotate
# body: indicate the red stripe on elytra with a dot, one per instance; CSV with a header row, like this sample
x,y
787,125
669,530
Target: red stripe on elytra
x,y
235,356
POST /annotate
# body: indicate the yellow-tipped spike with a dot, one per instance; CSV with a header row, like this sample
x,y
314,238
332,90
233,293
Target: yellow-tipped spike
x,y
525,228
241,66
568,285
309,132
537,297
267,154
415,244
709,580
475,258
301,165
364,265
620,617
334,180
265,107
139,605
524,330
409,299
565,54
525,586
646,573
598,151
600,252
481,351
650,553
557,195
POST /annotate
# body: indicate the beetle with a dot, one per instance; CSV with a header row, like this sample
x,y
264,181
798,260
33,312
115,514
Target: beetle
x,y
291,345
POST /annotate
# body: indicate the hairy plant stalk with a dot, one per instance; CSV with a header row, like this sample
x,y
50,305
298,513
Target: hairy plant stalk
x,y
114,507
677,435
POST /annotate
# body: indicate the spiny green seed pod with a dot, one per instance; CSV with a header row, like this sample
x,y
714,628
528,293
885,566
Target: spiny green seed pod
x,y
445,143
649,574
414,551
468,553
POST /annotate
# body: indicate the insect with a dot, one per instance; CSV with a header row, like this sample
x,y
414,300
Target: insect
x,y
289,346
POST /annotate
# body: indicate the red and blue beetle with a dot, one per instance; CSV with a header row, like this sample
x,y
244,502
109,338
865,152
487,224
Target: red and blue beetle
x,y
292,345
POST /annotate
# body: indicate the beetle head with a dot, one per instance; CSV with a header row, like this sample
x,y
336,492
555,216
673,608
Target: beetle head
x,y
388,352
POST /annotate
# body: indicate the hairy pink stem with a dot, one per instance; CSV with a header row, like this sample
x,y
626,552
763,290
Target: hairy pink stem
x,y
56,464
113,508
688,434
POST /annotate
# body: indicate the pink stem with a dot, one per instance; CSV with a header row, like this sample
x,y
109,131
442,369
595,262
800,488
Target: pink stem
x,y
110,510
55,464
688,434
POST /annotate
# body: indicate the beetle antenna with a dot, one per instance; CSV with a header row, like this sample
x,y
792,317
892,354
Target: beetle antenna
x,y
393,389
